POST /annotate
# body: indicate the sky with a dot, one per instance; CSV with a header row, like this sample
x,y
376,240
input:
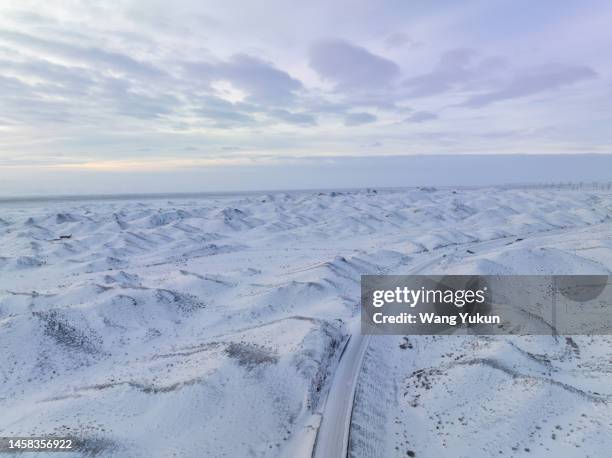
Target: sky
x,y
146,86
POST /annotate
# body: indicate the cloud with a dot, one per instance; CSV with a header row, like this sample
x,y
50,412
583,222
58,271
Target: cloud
x,y
375,144
58,78
421,116
128,101
399,40
90,56
351,66
300,119
81,77
223,114
54,93
260,79
356,119
23,103
464,70
456,69
533,81
267,91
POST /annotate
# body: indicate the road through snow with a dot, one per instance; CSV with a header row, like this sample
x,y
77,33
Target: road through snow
x,y
333,435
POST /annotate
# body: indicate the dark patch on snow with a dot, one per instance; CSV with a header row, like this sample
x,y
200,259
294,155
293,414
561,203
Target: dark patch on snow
x,y
64,333
251,355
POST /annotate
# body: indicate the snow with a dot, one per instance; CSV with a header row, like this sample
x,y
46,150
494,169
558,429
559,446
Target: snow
x,y
213,325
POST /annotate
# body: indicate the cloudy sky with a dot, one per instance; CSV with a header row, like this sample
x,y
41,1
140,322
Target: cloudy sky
x,y
157,85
